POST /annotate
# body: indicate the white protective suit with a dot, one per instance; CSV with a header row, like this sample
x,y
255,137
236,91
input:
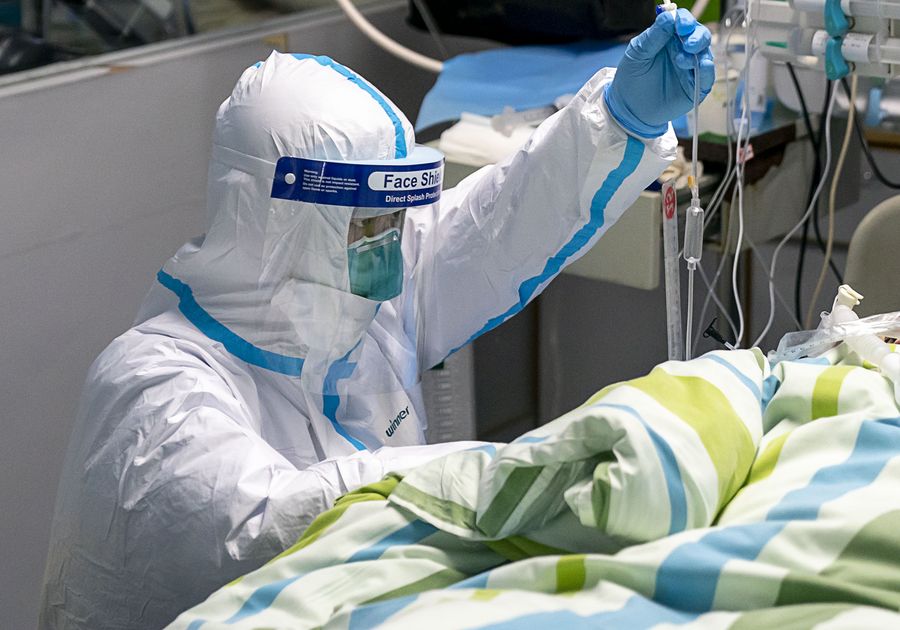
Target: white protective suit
x,y
201,443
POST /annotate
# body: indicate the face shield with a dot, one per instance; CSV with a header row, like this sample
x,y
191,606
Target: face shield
x,y
379,192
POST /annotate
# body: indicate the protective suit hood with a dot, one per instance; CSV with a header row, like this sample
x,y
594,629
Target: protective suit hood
x,y
269,279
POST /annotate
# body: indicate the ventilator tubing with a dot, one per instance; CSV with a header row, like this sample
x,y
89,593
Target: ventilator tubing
x,y
869,347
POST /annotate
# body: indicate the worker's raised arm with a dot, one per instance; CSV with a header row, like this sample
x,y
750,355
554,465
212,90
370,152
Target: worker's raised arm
x,y
505,232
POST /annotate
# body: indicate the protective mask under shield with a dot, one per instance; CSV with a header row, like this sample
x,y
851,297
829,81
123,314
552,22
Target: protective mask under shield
x,y
375,266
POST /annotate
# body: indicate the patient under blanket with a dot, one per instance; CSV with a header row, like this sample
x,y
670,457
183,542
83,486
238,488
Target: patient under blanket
x,y
717,493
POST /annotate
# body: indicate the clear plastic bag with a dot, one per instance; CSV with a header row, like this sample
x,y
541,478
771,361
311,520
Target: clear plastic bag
x,y
813,343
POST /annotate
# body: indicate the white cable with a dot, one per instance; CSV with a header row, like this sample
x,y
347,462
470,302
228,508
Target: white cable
x,y
718,198
806,215
762,263
832,197
432,27
740,161
385,42
737,258
699,7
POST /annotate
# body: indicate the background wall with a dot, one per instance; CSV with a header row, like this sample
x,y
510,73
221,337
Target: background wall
x,y
102,173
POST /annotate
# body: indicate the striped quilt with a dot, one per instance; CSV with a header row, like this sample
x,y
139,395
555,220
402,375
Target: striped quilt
x,y
717,493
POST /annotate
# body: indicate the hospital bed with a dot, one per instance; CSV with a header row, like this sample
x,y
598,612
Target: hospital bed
x,y
723,492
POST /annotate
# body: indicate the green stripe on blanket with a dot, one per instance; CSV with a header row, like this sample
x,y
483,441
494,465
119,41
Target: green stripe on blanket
x,y
378,491
828,390
705,408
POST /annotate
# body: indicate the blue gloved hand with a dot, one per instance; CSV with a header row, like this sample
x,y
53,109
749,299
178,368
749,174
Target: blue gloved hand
x,y
654,83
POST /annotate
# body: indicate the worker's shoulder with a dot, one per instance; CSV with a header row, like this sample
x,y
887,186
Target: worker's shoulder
x,y
152,373
160,347
147,373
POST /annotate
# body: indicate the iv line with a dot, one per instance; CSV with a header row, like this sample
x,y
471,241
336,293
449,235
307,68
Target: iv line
x,y
693,228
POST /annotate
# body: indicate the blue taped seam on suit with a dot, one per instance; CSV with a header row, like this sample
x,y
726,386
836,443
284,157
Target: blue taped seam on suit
x,y
331,400
400,149
215,330
634,151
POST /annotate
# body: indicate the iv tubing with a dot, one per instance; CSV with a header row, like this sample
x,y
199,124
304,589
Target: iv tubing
x,y
690,315
695,202
695,186
806,215
743,141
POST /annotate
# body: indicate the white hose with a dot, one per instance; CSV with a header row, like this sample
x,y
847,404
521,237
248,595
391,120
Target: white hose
x,y
869,347
411,56
380,39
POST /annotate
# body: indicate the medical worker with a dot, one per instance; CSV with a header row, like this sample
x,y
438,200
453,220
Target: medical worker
x,y
275,364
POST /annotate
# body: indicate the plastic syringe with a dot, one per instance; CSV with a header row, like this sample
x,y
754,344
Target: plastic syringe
x,y
510,119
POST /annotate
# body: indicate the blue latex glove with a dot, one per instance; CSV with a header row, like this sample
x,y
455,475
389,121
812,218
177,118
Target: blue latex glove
x,y
655,79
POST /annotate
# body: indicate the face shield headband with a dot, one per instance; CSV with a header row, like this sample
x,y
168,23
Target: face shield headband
x,y
373,187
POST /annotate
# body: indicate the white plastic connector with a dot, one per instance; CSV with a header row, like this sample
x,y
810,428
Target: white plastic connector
x,y
869,347
847,297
